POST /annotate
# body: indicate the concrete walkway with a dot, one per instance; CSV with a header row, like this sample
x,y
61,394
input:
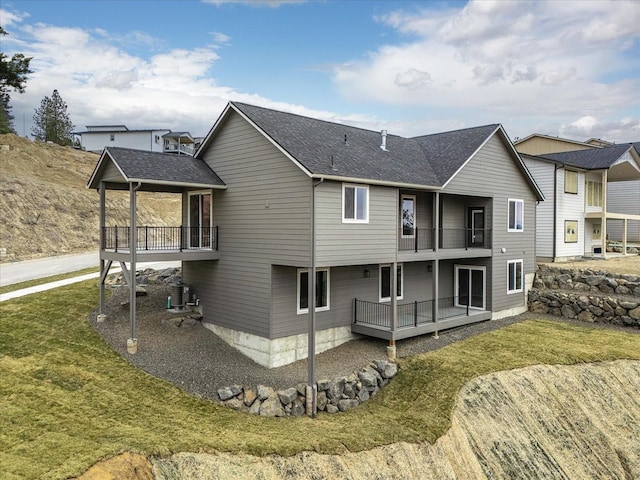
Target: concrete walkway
x,y
80,278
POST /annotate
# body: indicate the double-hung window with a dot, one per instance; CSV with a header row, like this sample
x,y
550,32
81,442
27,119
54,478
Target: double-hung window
x,y
385,282
516,215
355,204
594,194
322,290
514,276
570,181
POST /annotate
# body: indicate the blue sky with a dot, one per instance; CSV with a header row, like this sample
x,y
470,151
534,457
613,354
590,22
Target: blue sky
x,y
558,67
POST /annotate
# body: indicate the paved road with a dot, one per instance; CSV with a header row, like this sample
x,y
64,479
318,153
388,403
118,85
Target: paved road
x,y
45,267
16,272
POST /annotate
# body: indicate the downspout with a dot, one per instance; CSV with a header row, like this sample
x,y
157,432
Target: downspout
x,y
312,387
555,212
132,342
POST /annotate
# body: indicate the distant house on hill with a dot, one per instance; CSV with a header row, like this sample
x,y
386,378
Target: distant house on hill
x,y
97,137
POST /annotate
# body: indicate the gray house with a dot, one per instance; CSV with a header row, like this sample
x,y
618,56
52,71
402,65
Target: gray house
x,y
406,236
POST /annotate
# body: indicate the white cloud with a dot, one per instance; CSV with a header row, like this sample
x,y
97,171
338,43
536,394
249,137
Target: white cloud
x,y
7,18
506,61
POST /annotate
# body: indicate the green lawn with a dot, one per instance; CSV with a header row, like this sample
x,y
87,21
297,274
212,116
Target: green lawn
x,y
68,400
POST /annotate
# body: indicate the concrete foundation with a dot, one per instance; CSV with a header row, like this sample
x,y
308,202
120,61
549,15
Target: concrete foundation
x,y
281,351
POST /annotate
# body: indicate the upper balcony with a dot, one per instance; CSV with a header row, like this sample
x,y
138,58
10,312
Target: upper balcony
x,y
452,242
160,243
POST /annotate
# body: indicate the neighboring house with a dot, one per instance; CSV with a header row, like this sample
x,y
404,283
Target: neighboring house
x,y
406,236
583,184
98,137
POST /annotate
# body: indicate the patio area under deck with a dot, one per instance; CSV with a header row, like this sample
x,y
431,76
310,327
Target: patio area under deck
x,y
413,319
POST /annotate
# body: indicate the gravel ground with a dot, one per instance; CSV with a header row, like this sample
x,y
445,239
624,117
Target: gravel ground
x,y
199,362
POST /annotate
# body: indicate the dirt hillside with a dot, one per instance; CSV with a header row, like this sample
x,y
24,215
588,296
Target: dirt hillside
x,y
46,209
543,422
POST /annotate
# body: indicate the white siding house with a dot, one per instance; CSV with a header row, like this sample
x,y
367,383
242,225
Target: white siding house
x,y
589,188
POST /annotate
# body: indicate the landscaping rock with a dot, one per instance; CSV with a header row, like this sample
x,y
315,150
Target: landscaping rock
x,y
287,396
272,407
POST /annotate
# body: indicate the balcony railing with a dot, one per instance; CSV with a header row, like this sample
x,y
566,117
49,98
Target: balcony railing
x,y
418,239
161,238
173,148
409,314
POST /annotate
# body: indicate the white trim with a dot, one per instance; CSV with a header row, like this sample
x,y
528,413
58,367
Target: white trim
x,y
301,311
398,297
517,200
514,262
481,268
199,193
355,203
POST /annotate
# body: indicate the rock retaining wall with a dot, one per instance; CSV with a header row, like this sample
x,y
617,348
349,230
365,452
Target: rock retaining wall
x,y
337,395
591,296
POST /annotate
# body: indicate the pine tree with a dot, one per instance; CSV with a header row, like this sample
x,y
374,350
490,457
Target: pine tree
x,y
13,76
52,122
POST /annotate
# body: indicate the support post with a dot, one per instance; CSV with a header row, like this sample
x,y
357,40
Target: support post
x,y
394,296
102,222
603,226
132,342
436,221
624,236
435,292
391,351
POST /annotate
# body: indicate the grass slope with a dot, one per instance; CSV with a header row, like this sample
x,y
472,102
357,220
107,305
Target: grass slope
x,y
68,400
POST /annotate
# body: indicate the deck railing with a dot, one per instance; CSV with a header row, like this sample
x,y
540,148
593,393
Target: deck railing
x,y
418,239
409,314
150,238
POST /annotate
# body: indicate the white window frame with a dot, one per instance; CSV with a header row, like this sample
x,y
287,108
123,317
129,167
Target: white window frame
x,y
401,268
456,291
509,266
355,203
199,193
517,201
415,214
318,309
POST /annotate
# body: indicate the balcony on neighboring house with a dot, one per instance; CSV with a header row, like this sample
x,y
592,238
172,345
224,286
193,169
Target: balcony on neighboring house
x,y
417,318
181,143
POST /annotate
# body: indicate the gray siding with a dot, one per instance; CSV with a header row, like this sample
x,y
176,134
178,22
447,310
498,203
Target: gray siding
x,y
345,284
111,173
263,219
340,243
623,197
492,172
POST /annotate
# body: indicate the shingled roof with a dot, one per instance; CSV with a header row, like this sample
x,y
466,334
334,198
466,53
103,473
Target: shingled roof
x,y
155,168
336,150
591,159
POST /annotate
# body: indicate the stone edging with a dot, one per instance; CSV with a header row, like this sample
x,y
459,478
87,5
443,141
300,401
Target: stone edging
x,y
336,395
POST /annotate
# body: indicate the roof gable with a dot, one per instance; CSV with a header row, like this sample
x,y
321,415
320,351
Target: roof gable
x,y
155,168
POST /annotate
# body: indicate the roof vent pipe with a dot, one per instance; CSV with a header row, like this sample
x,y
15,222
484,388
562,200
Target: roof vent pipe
x,y
383,145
